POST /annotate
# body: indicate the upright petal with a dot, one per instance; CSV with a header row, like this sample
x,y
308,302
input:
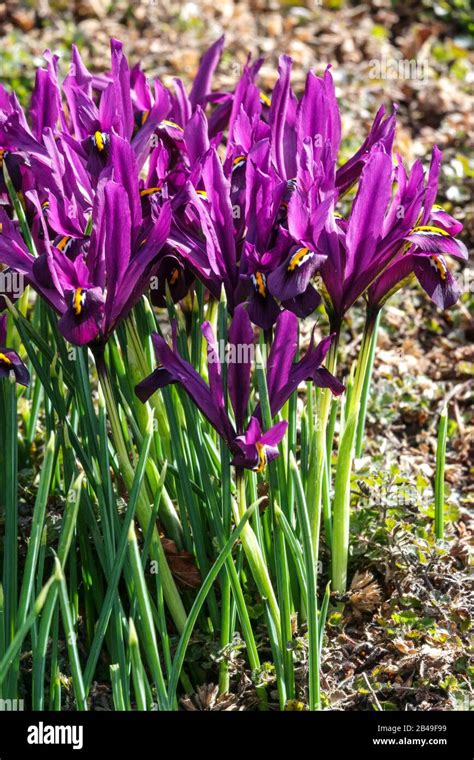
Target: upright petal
x,y
203,79
282,353
364,229
117,241
121,77
218,193
238,372
281,150
432,184
46,98
136,278
214,370
196,136
125,173
308,368
383,132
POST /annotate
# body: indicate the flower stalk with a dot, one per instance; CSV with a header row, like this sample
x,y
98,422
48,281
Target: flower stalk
x,y
319,458
366,387
254,554
439,480
345,459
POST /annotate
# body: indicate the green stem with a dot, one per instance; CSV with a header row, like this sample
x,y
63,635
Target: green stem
x,y
342,486
314,648
140,369
170,591
439,481
366,387
226,618
254,555
10,542
279,494
318,456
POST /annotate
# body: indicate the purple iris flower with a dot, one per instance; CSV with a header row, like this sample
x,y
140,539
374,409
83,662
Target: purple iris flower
x,y
184,106
18,170
96,108
387,239
315,118
251,447
310,203
275,261
9,359
94,284
422,255
382,132
92,123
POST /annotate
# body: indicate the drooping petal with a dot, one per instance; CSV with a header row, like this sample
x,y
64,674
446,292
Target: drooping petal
x,y
263,310
436,279
324,379
440,218
191,381
304,304
11,362
82,323
293,276
246,453
437,240
159,378
255,450
171,272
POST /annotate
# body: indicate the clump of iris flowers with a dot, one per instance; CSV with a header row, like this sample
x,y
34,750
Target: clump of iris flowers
x,y
227,219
